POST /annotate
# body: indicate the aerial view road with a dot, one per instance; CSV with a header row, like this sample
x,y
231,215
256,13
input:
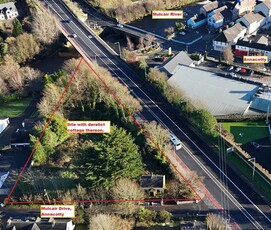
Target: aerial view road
x,y
246,207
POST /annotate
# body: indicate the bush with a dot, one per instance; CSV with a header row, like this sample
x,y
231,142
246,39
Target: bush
x,y
163,216
145,215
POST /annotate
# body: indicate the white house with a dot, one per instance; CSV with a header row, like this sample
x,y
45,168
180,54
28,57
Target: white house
x,y
265,9
229,37
243,6
8,11
252,22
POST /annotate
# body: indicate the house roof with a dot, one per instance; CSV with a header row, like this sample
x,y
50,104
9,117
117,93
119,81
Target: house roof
x,y
262,40
220,9
181,58
43,225
252,17
267,3
22,136
210,6
217,16
226,13
153,181
230,34
255,45
219,95
6,6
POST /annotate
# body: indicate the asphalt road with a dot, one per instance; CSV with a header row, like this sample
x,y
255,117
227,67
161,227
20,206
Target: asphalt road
x,y
247,208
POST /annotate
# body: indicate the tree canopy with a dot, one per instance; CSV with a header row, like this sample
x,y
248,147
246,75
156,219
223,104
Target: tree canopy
x,y
115,156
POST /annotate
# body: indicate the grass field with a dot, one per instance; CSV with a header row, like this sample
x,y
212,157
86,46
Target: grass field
x,y
240,165
245,132
15,108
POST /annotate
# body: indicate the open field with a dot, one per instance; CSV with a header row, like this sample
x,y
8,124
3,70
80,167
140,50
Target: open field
x,y
15,108
245,132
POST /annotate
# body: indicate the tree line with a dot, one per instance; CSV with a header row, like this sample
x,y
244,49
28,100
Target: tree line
x,y
127,10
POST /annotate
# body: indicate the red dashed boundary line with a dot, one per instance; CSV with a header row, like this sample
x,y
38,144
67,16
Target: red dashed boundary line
x,y
197,198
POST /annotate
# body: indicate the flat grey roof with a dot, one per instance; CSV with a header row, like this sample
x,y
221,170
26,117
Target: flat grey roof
x,y
262,102
219,95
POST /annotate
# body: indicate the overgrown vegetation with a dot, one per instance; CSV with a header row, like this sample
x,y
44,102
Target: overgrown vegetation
x,y
19,45
129,10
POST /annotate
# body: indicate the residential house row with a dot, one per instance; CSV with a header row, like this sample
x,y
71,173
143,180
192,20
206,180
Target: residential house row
x,y
249,24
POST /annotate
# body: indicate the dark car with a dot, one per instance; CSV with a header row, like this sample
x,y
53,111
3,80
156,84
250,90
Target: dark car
x,y
255,145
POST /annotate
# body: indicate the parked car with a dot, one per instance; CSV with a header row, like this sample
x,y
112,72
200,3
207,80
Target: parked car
x,y
255,145
119,25
230,68
237,69
243,70
233,74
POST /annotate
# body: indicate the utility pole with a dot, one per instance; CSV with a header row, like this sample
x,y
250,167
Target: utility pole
x,y
254,163
119,48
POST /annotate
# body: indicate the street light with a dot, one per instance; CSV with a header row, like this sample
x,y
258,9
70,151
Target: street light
x,y
119,48
254,162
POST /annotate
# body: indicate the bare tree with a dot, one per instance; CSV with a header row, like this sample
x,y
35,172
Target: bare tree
x,y
126,189
140,43
130,44
109,222
169,31
149,39
157,136
44,27
215,222
10,72
179,188
3,87
24,47
228,55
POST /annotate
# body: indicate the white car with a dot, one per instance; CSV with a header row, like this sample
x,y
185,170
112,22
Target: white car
x,y
233,74
237,69
182,33
231,68
74,35
119,25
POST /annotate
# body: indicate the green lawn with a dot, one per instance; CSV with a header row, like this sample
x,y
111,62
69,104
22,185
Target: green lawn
x,y
15,108
240,165
245,132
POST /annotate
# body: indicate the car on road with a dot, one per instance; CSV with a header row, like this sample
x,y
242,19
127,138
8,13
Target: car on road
x,y
68,20
255,145
230,68
182,33
119,25
74,35
89,36
237,69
